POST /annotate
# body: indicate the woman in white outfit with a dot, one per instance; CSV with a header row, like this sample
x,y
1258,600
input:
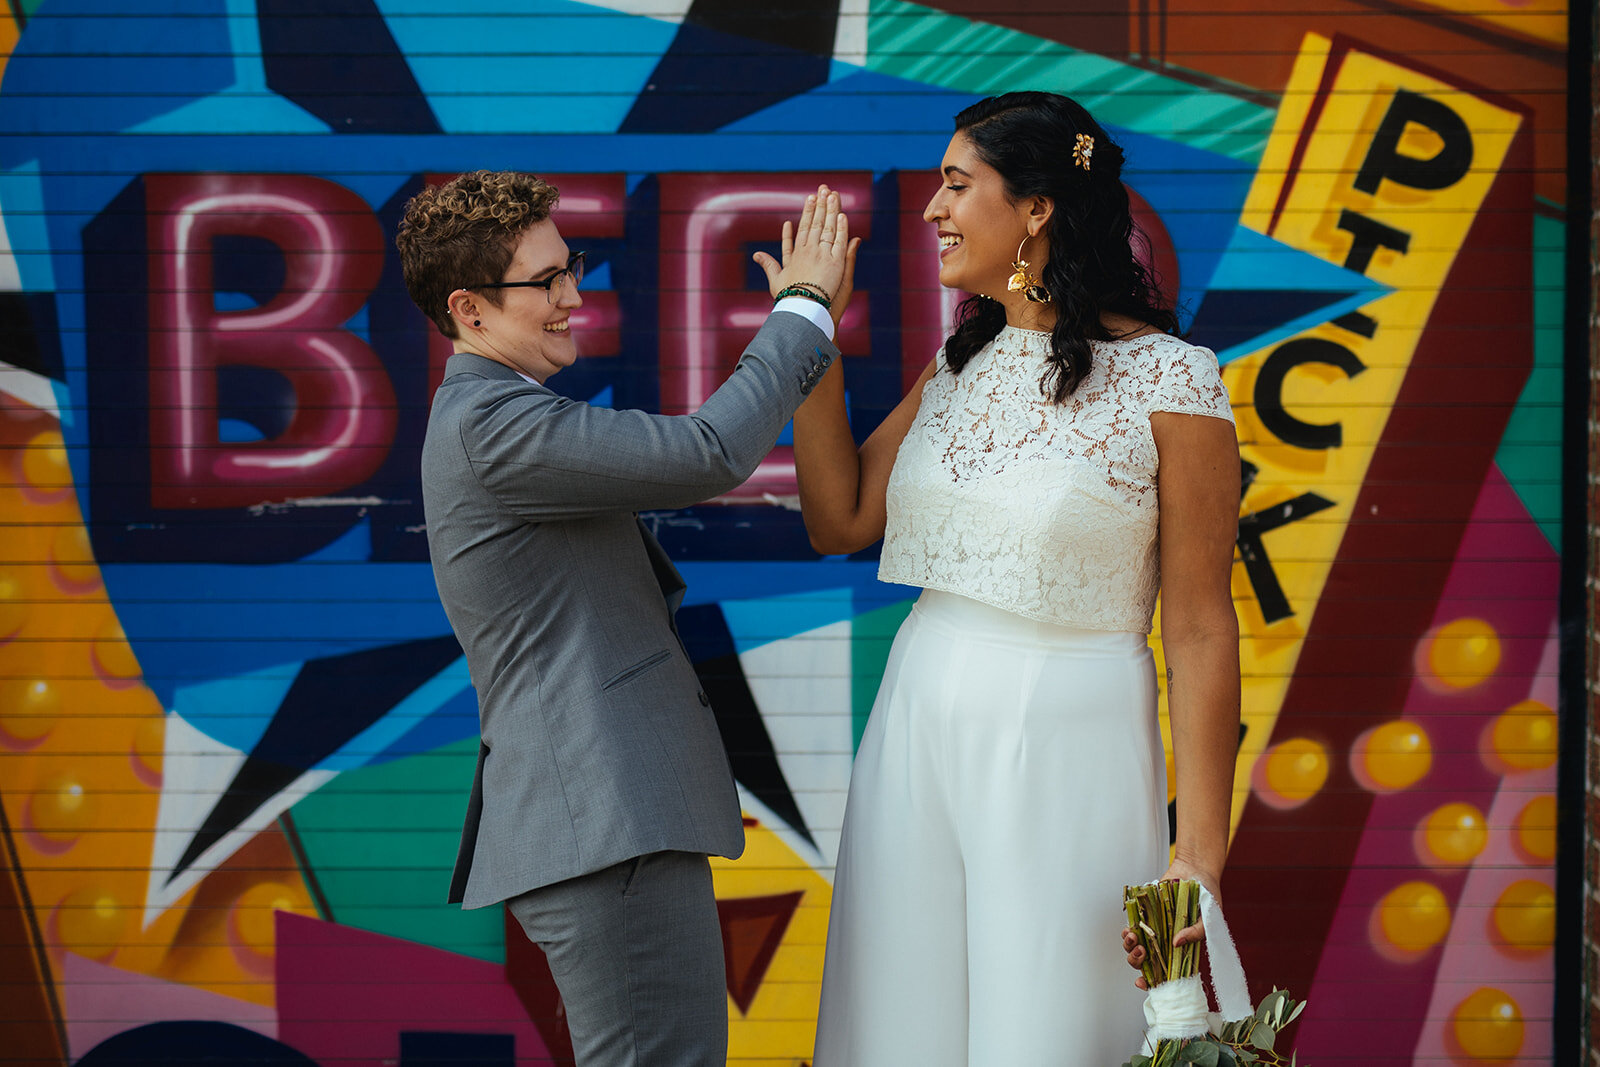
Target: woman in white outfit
x,y
1061,457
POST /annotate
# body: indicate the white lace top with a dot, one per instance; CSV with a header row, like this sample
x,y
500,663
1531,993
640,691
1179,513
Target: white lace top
x,y
1046,510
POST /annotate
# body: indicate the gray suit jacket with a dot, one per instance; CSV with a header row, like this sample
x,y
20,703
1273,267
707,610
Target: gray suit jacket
x,y
598,743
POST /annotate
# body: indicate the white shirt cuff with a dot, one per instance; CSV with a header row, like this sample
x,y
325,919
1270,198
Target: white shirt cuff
x,y
810,309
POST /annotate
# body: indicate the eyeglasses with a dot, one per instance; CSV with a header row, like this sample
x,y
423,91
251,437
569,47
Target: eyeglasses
x,y
550,285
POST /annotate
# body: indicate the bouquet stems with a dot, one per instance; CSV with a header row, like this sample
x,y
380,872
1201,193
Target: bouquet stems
x,y
1156,913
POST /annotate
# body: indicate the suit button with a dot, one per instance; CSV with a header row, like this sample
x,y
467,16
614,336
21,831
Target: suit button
x,y
705,701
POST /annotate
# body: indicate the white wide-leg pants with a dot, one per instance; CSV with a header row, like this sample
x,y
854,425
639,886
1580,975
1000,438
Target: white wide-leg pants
x,y
1009,783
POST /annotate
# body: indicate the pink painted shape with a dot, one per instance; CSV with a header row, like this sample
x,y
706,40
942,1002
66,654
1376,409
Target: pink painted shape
x,y
101,1001
1362,1006
1471,958
344,995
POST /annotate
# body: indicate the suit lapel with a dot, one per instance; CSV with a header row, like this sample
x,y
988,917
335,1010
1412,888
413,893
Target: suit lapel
x,y
667,576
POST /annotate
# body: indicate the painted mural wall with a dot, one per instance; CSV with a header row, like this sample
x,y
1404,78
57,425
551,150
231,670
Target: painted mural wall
x,y
236,736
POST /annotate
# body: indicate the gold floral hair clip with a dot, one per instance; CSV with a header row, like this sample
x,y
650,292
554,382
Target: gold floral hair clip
x,y
1083,151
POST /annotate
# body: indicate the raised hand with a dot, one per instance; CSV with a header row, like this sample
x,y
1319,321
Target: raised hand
x,y
819,250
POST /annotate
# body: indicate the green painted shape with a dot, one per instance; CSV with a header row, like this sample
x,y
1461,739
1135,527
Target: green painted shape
x,y
1530,452
921,44
382,840
871,635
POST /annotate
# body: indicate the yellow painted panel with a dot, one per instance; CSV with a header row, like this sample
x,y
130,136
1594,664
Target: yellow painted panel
x,y
781,1026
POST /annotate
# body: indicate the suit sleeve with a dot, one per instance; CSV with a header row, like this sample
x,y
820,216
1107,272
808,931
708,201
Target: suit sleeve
x,y
548,457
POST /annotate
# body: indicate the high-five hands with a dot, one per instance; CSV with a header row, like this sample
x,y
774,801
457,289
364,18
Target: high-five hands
x,y
820,251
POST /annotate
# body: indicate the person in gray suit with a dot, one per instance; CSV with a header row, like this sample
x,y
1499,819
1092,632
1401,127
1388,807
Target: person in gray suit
x,y
602,786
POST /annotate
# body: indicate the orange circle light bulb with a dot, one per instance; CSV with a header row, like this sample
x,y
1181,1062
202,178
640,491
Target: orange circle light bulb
x,y
253,920
1414,916
1525,915
45,471
91,922
1487,1025
1454,834
1293,772
1524,736
62,809
1463,653
1536,828
29,709
1394,756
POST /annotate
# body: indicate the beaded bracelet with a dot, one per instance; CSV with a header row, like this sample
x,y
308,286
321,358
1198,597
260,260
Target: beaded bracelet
x,y
805,289
819,290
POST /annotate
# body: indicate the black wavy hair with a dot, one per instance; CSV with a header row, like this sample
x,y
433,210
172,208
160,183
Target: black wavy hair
x,y
1028,138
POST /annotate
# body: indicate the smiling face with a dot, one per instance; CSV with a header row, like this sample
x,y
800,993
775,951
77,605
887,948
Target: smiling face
x,y
527,331
980,226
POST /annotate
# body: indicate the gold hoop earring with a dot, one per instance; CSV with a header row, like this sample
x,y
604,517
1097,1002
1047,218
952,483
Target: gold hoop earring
x,y
1024,281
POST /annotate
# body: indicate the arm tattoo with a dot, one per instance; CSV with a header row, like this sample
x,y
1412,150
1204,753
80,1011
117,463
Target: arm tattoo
x,y
1169,683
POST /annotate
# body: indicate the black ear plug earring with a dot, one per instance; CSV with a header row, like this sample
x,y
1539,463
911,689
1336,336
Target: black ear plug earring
x,y
475,322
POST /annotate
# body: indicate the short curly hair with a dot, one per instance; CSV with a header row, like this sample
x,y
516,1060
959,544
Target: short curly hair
x,y
464,233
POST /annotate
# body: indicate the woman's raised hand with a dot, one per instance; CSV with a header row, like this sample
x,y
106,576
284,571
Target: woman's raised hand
x,y
819,250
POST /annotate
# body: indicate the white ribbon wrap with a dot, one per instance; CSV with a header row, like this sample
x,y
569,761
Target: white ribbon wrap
x,y
1178,1008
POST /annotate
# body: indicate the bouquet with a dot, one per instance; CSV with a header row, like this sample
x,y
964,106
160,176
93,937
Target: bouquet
x,y
1182,1029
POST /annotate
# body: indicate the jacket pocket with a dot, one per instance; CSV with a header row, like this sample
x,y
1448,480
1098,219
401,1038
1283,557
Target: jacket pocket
x,y
628,674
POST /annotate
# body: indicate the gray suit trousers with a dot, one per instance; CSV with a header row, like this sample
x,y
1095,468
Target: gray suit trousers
x,y
636,951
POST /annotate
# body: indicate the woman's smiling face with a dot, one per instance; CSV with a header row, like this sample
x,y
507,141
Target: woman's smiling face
x,y
979,225
529,330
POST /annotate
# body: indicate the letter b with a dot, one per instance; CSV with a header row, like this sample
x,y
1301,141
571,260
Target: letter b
x,y
342,416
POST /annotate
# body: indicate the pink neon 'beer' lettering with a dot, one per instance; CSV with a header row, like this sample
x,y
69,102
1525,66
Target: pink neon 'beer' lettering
x,y
593,206
708,310
344,417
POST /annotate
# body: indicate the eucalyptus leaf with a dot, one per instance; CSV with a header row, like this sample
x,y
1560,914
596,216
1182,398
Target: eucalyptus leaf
x,y
1199,1053
1263,1036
